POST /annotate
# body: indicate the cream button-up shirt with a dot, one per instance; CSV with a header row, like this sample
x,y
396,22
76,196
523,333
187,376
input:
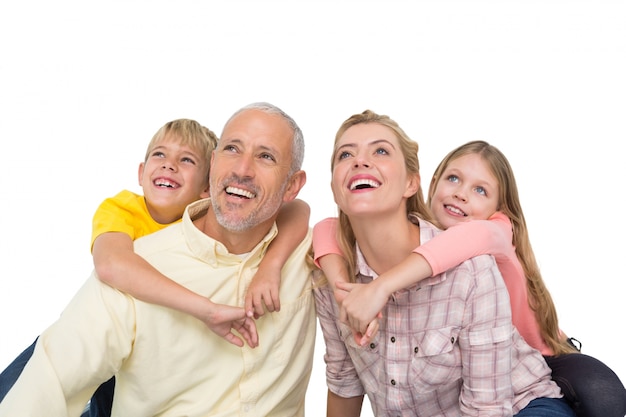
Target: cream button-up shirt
x,y
167,363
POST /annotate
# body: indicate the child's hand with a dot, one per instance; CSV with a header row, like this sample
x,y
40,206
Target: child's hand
x,y
224,318
360,307
263,291
372,329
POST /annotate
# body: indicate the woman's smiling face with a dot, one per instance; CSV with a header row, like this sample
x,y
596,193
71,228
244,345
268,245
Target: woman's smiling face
x,y
369,173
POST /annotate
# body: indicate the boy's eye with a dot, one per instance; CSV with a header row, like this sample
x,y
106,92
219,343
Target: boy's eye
x,y
188,160
158,154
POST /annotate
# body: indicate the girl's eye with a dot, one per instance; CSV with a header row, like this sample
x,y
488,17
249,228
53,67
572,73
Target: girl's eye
x,y
481,191
453,178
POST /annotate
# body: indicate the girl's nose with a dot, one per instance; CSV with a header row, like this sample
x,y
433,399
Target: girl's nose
x,y
460,195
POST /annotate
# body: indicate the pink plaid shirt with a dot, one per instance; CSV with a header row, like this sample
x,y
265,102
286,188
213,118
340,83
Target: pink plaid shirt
x,y
445,347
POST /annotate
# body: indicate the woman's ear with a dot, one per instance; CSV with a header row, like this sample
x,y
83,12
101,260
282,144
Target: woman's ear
x,y
413,184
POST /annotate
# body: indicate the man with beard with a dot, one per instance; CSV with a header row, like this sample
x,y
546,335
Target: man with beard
x,y
165,362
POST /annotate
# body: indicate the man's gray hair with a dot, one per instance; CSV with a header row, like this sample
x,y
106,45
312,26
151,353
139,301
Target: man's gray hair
x,y
297,148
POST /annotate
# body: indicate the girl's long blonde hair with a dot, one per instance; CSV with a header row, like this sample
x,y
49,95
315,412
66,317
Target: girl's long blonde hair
x,y
539,297
415,204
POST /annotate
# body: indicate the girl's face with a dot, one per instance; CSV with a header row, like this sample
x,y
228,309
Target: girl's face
x,y
467,190
369,175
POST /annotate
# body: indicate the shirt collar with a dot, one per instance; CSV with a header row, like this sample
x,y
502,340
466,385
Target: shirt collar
x,y
213,251
427,232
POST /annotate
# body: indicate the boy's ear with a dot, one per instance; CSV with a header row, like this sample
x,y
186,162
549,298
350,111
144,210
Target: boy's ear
x,y
206,192
296,182
140,173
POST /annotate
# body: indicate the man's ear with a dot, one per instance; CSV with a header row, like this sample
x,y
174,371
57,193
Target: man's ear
x,y
140,173
296,182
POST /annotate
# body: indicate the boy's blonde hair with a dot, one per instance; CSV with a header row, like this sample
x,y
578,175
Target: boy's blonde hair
x,y
189,133
539,297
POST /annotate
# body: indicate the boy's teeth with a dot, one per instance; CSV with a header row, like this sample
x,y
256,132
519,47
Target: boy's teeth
x,y
240,192
165,183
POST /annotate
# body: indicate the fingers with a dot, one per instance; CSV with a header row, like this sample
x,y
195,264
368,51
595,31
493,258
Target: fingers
x,y
249,305
233,339
371,331
345,286
257,303
249,332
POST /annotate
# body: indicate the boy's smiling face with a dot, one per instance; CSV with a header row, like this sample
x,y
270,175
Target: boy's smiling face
x,y
173,176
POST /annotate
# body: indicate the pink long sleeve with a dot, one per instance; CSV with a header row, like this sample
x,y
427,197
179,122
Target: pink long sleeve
x,y
494,237
469,239
325,239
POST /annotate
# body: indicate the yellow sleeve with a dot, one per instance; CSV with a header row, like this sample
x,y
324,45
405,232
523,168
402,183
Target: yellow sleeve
x,y
125,213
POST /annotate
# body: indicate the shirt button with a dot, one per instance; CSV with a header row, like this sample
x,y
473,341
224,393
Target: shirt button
x,y
416,349
393,382
372,345
393,339
452,339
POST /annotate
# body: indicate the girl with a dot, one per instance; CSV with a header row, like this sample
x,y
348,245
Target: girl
x,y
473,194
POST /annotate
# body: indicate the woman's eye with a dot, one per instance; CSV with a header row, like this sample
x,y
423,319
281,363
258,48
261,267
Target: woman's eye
x,y
343,155
382,151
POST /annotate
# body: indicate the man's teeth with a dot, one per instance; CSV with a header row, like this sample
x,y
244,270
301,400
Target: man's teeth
x,y
239,192
165,183
363,183
456,210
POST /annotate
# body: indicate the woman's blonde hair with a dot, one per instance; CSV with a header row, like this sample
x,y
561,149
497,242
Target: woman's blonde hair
x,y
415,204
189,133
539,297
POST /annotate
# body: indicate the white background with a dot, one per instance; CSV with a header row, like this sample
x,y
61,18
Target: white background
x,y
84,86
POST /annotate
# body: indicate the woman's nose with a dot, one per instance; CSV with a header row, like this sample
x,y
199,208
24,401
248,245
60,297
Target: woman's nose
x,y
361,161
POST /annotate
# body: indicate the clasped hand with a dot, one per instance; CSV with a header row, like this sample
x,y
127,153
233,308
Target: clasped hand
x,y
360,308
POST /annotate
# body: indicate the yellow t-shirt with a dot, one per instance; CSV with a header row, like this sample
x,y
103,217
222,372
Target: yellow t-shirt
x,y
125,213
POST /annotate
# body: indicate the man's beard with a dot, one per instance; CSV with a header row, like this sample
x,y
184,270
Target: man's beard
x,y
254,218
